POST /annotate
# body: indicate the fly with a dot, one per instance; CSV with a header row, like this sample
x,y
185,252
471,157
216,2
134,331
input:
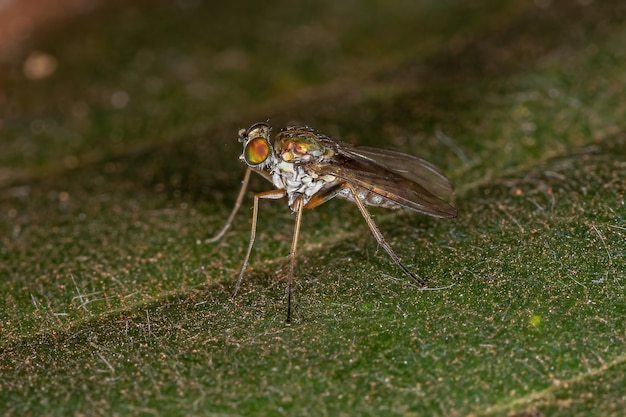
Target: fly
x,y
309,168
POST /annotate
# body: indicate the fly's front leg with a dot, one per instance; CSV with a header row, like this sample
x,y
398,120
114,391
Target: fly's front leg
x,y
231,217
379,236
269,195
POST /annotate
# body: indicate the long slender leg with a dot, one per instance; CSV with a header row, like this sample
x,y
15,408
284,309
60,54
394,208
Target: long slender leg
x,y
292,256
379,237
271,195
231,217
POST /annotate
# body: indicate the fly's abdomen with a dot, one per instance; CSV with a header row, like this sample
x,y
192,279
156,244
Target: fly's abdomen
x,y
369,198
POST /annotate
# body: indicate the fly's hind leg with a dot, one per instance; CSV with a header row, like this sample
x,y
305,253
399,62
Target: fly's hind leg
x,y
379,237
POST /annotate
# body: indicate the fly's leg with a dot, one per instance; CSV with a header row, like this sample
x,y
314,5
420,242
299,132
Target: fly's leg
x,y
231,217
379,237
292,256
270,195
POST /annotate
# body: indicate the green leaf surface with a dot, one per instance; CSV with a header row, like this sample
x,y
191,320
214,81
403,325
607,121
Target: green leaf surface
x,y
116,168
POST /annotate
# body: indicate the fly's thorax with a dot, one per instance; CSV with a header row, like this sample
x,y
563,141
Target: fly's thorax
x,y
301,145
297,181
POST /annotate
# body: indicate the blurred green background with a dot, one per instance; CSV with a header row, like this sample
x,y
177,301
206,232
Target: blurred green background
x,y
118,158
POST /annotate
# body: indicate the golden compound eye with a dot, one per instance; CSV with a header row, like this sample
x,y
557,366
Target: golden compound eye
x,y
257,151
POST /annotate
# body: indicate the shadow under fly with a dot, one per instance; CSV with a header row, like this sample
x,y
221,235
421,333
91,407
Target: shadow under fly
x,y
309,168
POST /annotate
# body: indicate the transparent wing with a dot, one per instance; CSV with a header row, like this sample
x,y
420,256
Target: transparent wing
x,y
404,179
408,166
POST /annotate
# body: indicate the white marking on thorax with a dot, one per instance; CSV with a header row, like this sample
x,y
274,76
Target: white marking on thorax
x,y
296,181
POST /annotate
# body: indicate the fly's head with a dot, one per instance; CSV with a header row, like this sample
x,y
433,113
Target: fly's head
x,y
257,149
301,144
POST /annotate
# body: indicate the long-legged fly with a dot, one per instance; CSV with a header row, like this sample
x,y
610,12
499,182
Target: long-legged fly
x,y
309,168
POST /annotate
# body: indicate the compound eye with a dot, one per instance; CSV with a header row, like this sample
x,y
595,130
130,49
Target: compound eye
x,y
257,150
